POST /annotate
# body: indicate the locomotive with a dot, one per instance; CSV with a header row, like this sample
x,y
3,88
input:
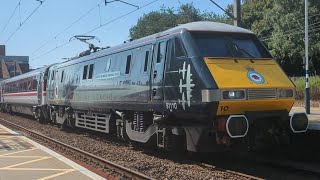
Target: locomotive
x,y
199,86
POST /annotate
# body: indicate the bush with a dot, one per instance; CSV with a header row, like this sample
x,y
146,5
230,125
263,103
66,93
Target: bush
x,y
314,83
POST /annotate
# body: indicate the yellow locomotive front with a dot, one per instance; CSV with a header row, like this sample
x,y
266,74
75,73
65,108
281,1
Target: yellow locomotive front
x,y
253,93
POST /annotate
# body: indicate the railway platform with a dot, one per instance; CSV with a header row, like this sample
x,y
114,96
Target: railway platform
x,y
22,158
314,116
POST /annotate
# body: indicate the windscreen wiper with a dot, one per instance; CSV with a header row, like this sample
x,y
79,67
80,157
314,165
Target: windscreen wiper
x,y
238,48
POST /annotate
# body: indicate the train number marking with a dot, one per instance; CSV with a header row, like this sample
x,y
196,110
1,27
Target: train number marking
x,y
172,106
224,108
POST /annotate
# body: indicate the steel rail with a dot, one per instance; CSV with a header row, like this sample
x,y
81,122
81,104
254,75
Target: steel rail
x,y
281,163
286,164
230,171
110,165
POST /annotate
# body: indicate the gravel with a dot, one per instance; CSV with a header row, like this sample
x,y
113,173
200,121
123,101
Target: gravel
x,y
154,163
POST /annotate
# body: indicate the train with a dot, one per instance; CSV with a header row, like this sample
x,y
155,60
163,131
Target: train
x,y
200,86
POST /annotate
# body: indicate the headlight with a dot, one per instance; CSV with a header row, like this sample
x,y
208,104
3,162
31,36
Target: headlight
x,y
233,94
285,93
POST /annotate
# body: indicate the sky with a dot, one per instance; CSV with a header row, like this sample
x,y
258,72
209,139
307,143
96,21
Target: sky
x,y
45,35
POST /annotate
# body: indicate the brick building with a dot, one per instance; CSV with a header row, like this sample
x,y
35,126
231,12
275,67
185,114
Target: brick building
x,y
12,65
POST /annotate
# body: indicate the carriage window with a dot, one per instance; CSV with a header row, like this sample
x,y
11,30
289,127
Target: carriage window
x,y
85,71
179,49
90,71
29,85
128,64
108,64
146,61
24,86
48,75
161,52
62,75
34,84
52,76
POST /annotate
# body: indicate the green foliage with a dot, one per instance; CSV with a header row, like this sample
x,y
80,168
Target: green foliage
x,y
314,83
167,18
280,24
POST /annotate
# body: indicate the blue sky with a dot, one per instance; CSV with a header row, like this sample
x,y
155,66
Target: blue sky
x,y
54,16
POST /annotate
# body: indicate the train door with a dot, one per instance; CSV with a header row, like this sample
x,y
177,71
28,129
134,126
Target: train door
x,y
39,89
157,73
50,85
1,87
56,85
53,85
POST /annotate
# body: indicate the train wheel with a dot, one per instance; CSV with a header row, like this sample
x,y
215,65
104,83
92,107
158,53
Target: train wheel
x,y
53,116
39,116
71,122
8,109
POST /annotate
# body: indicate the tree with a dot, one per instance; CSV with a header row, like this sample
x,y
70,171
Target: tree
x,y
280,24
167,18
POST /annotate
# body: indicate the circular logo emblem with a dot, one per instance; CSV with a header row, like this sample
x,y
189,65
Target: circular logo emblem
x,y
255,77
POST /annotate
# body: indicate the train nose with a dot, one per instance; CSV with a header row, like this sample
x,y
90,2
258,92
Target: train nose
x,y
237,126
299,122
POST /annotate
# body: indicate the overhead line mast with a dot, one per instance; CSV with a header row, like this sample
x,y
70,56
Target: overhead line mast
x,y
236,11
306,40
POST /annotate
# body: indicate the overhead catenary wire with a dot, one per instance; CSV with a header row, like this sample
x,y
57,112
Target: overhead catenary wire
x,y
120,17
288,33
314,29
21,23
68,27
310,17
294,33
230,15
293,30
303,17
297,28
124,2
94,29
15,9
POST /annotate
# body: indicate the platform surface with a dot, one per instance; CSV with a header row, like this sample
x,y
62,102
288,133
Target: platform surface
x,y
314,116
22,158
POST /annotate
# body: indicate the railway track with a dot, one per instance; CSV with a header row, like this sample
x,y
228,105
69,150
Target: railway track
x,y
125,172
294,167
259,164
230,171
289,165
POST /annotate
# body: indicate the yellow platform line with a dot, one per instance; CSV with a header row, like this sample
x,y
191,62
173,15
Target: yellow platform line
x,y
27,162
22,156
56,175
9,137
36,169
18,152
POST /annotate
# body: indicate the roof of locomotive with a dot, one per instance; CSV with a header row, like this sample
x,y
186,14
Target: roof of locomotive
x,y
210,26
204,26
